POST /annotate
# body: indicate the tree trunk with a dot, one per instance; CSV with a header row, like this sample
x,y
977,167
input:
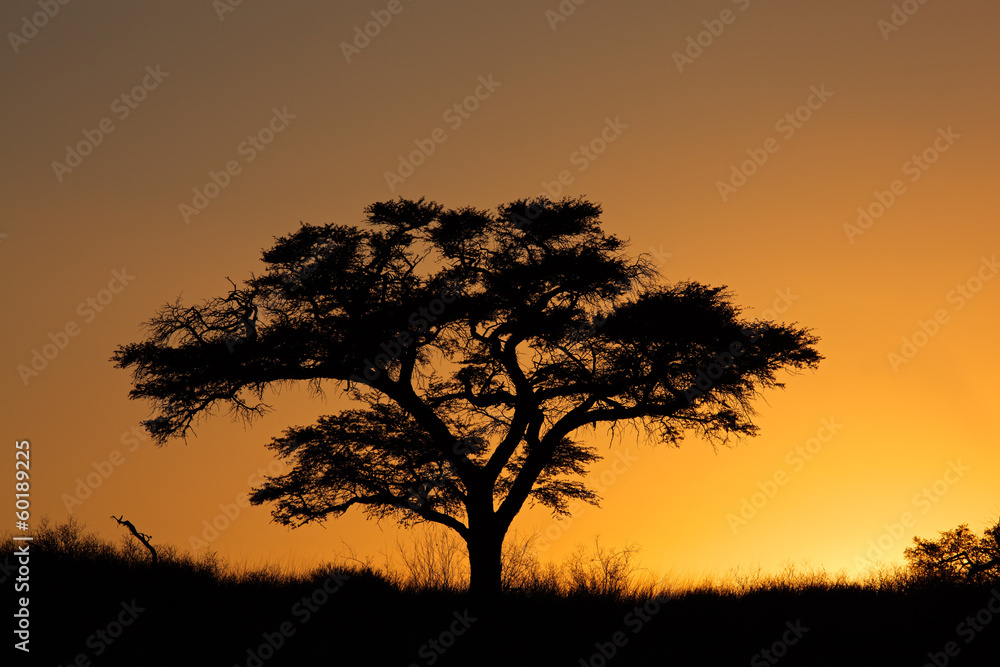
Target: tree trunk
x,y
485,546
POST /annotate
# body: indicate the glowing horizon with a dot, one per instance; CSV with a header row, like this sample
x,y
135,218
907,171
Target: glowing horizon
x,y
831,165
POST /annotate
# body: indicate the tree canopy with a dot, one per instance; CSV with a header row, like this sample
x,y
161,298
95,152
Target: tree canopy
x,y
478,346
958,555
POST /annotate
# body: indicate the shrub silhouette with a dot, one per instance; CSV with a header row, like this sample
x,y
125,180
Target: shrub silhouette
x,y
958,555
205,611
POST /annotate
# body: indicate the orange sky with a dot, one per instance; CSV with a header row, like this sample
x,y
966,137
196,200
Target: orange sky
x,y
839,111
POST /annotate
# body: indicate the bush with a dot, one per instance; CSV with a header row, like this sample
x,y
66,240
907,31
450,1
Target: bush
x,y
957,556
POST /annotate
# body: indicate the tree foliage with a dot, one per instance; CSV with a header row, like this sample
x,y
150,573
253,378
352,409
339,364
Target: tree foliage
x,y
958,555
478,345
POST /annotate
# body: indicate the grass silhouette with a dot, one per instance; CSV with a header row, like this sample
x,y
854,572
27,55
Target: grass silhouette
x,y
595,609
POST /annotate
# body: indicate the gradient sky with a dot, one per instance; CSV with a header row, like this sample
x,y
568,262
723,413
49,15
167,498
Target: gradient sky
x,y
905,128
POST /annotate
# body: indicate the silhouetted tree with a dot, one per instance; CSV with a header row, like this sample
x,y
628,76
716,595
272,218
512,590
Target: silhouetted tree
x,y
958,555
142,537
478,344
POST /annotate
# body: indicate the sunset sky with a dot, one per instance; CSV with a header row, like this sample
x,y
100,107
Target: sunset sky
x,y
833,163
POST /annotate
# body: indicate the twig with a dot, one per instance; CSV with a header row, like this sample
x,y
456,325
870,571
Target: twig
x,y
142,536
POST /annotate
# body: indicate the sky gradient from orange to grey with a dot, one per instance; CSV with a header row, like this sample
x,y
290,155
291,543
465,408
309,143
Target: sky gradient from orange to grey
x,y
685,124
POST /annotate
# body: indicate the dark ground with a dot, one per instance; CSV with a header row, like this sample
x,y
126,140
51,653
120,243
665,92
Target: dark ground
x,y
183,616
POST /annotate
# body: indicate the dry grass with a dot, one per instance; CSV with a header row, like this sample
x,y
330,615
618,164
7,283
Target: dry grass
x,y
436,561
